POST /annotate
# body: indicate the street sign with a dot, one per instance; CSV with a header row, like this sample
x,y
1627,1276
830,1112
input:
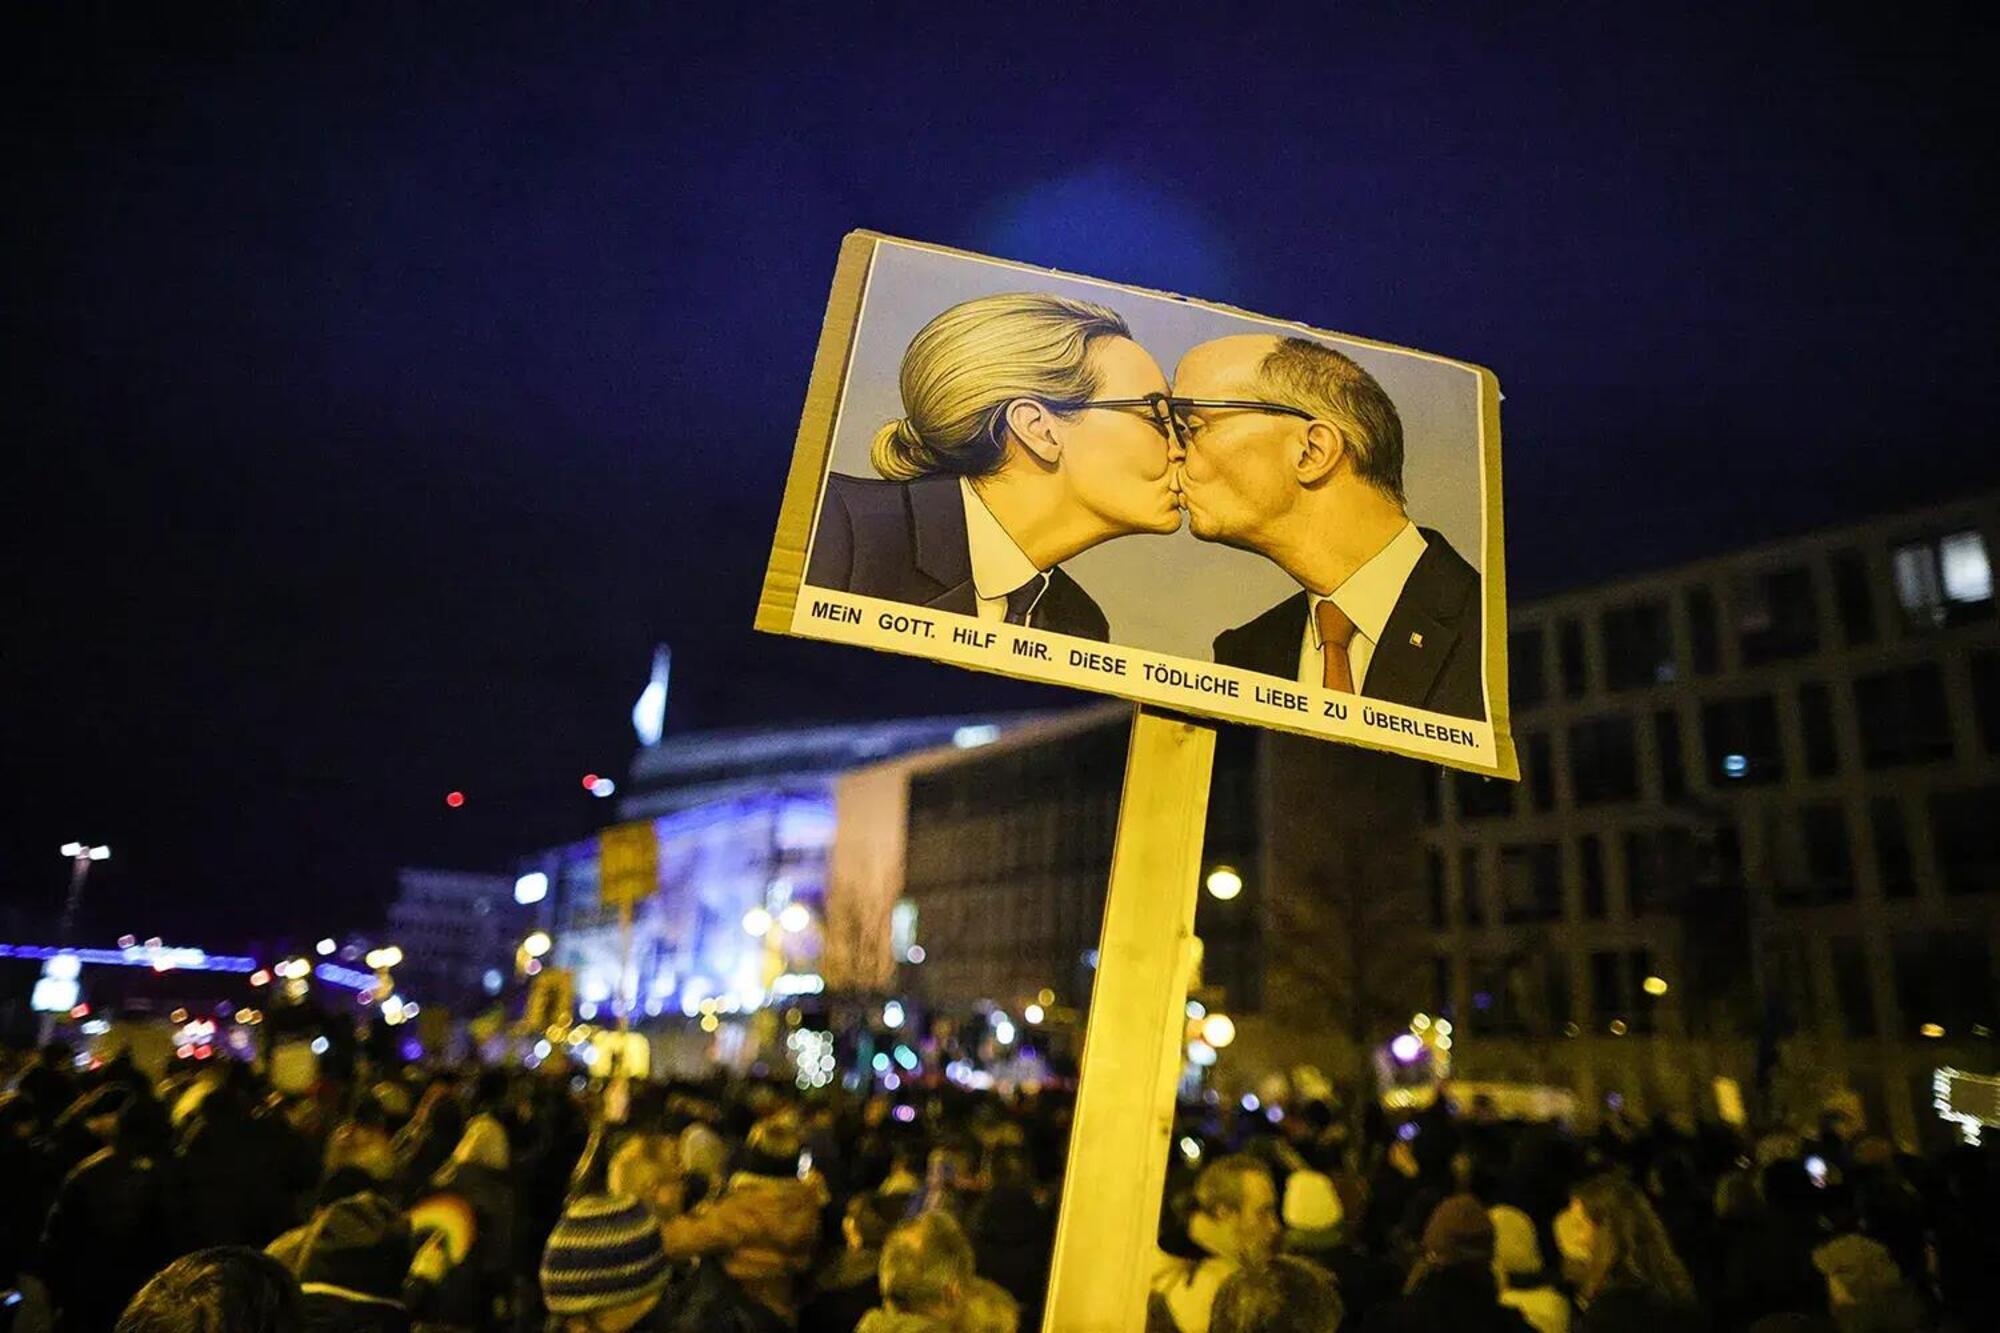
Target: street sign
x,y
628,863
1130,492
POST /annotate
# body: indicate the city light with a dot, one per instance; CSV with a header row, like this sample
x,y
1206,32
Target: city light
x,y
1196,1009
1224,883
454,799
892,1014
794,918
1931,1030
1406,1048
1618,1028
78,851
967,738
603,787
537,944
325,947
1201,1053
1034,1013
531,888
916,954
1654,986
382,959
1218,1030
1735,765
757,921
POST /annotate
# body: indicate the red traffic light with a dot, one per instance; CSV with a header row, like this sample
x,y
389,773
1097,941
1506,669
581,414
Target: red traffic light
x,y
589,781
454,799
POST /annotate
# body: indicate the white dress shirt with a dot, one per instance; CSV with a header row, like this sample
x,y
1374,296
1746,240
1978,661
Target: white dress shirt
x,y
998,564
1367,598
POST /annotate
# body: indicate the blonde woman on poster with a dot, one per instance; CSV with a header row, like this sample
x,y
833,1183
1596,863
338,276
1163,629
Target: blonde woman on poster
x,y
1034,428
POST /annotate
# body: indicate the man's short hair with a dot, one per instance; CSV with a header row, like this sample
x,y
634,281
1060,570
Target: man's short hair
x,y
1310,375
227,1289
1220,1184
925,1265
1286,1295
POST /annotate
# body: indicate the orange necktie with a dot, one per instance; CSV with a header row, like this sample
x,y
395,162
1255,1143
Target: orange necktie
x,y
1336,631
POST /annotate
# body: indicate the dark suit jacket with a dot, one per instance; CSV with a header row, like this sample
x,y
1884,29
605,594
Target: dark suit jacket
x,y
1438,668
905,541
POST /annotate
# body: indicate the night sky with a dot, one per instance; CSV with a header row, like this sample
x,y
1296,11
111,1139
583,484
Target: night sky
x,y
383,382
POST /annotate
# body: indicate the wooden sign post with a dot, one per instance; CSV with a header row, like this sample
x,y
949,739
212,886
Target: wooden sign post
x,y
1106,1238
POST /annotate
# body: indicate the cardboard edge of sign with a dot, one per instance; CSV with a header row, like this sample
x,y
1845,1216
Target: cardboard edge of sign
x,y
785,572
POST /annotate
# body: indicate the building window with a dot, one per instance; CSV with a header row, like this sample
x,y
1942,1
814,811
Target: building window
x,y
1526,673
1741,740
1829,861
1965,826
1607,987
1659,870
1434,867
1986,698
1591,853
1638,646
1603,760
1570,659
1892,848
1777,616
1851,988
1704,643
1667,742
1943,582
1468,887
1639,966
1541,773
1816,729
1530,883
1902,715
1944,977
1483,798
1441,985
1852,598
1555,991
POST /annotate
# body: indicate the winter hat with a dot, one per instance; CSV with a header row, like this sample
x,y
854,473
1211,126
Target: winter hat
x,y
360,1243
1459,1232
605,1252
1863,1266
1310,1202
1515,1249
772,1149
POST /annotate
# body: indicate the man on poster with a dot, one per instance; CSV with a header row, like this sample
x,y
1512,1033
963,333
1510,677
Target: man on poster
x,y
1296,453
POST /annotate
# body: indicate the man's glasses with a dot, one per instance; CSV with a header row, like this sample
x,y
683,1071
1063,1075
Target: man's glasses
x,y
1170,414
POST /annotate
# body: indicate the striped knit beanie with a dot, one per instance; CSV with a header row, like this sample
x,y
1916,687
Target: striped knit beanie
x,y
605,1252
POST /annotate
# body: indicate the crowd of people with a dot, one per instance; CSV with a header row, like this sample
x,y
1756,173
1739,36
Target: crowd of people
x,y
490,1200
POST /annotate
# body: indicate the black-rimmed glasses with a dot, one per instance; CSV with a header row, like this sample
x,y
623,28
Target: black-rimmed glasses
x,y
1171,414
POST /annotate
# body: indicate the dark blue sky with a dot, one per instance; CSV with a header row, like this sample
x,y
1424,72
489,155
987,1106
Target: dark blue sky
x,y
384,380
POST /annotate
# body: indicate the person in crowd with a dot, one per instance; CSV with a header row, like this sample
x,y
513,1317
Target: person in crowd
x,y
605,1269
764,1227
925,1272
1524,1280
222,1289
647,1167
107,1232
477,1174
1235,1222
1865,1291
989,1308
1012,1232
850,1286
1286,1295
1451,1285
236,1177
352,1259
1633,1282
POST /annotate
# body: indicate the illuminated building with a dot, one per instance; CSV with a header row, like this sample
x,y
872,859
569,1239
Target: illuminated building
x,y
744,820
1769,780
451,925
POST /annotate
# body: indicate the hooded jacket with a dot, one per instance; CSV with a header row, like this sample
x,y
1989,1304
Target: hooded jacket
x,y
763,1229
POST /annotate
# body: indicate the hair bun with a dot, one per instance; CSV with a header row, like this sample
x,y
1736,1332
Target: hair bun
x,y
899,452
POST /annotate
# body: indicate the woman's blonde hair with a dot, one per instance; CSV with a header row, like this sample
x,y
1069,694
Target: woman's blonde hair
x,y
964,367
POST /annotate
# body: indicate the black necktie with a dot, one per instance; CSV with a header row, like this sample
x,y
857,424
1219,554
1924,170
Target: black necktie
x,y
1021,601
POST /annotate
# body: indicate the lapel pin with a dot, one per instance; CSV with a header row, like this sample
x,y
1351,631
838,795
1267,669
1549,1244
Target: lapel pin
x,y
1416,639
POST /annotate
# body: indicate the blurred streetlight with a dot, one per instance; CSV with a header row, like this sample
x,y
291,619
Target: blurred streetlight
x,y
81,855
794,918
1218,1030
1654,986
1224,883
757,921
325,947
531,888
537,944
